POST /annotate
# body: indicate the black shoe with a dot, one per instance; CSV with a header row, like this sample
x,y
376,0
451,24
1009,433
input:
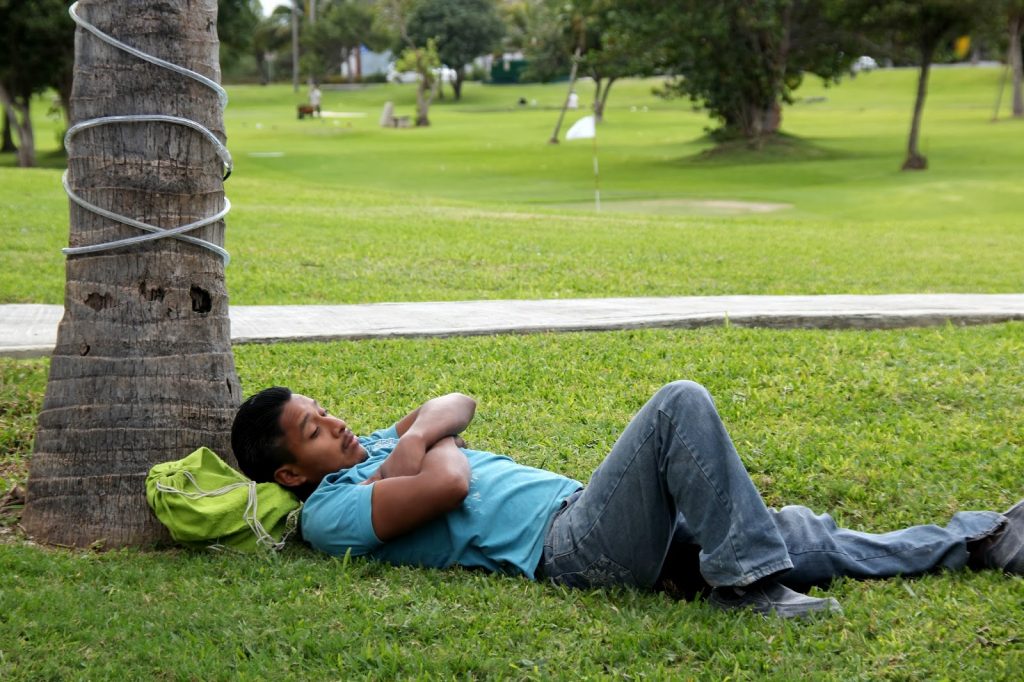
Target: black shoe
x,y
1004,549
772,599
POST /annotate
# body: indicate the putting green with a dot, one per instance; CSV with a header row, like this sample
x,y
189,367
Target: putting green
x,y
680,206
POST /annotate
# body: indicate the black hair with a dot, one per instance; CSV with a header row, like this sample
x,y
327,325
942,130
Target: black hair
x,y
256,434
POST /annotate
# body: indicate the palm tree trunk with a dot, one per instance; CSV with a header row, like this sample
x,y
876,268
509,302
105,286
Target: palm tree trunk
x,y
914,160
142,371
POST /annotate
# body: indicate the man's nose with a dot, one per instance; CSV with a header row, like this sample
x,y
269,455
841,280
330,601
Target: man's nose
x,y
337,424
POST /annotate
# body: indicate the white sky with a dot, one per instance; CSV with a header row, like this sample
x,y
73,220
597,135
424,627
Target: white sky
x,y
269,5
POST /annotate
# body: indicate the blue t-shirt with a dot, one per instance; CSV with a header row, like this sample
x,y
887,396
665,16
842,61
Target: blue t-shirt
x,y
499,526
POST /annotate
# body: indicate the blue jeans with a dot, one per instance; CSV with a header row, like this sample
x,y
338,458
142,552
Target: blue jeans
x,y
674,476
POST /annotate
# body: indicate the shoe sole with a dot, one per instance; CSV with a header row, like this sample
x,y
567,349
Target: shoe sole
x,y
828,606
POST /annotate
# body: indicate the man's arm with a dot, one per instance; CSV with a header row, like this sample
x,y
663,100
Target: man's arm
x,y
450,414
400,504
422,428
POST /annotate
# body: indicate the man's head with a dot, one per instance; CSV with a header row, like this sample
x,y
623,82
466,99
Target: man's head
x,y
256,435
288,438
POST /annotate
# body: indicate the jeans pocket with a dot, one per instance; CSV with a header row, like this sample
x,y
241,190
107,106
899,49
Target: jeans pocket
x,y
602,572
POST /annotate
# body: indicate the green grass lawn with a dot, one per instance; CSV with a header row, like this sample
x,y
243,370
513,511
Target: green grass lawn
x,y
880,428
480,206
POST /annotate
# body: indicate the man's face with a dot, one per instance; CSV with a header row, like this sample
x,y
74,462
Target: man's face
x,y
321,443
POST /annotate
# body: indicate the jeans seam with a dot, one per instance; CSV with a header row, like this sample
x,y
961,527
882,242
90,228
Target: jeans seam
x,y
604,504
867,558
724,499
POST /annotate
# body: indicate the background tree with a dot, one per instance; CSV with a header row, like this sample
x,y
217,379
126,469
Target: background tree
x,y
142,371
237,22
270,39
36,53
541,31
741,59
393,19
1000,32
1014,14
424,61
7,144
342,26
921,26
1015,22
610,50
462,29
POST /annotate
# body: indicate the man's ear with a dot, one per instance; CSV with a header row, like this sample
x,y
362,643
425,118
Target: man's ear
x,y
289,476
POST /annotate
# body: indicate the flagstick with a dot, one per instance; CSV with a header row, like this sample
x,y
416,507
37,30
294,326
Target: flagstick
x,y
597,178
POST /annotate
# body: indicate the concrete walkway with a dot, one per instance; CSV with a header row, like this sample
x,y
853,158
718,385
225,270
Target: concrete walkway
x,y
31,330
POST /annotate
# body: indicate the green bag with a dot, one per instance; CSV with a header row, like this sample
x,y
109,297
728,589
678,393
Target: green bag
x,y
204,502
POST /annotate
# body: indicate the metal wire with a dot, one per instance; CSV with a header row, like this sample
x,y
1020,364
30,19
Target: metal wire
x,y
153,231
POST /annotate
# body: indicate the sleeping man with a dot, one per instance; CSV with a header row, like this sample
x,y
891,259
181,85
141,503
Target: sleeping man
x,y
672,486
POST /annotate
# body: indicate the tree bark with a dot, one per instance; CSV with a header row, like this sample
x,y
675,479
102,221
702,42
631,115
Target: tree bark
x,y
142,371
596,106
565,104
424,90
914,160
295,45
8,141
422,104
599,103
457,85
753,122
19,116
770,120
1016,27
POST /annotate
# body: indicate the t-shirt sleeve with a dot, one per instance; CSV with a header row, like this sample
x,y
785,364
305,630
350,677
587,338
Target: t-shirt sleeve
x,y
389,432
339,520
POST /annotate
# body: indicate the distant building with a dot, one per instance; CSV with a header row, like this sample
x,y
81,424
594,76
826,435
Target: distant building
x,y
365,63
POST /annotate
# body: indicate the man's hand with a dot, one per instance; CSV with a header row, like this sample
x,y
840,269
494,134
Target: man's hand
x,y
403,503
422,428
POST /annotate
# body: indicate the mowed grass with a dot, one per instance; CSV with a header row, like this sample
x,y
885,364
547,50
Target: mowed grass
x,y
480,206
882,429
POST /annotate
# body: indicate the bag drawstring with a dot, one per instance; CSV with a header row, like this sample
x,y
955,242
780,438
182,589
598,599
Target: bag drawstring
x,y
263,538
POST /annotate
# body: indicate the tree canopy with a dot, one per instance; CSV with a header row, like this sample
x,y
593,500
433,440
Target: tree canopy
x,y
921,27
741,59
236,23
340,28
36,53
462,29
270,37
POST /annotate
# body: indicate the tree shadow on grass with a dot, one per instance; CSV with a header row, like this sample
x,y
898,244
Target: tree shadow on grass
x,y
778,148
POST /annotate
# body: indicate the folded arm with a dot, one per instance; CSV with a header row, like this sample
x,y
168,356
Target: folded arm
x,y
422,428
402,503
